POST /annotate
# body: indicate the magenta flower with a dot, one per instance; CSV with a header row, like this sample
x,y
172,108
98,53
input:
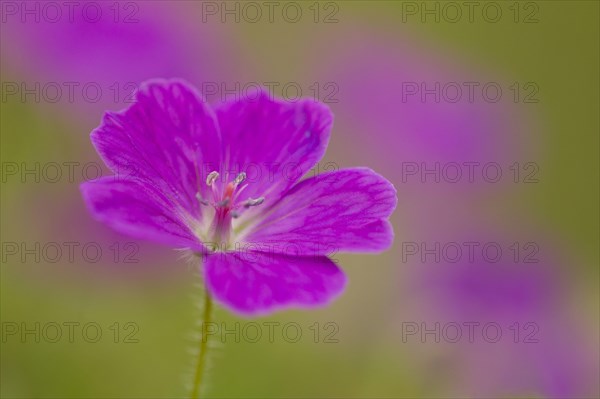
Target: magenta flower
x,y
226,184
543,350
95,56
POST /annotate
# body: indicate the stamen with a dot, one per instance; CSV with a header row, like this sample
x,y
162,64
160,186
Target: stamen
x,y
254,202
223,203
240,178
201,200
239,189
212,177
226,204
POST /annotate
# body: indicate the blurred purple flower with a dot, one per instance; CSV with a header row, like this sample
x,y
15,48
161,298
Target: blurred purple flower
x,y
94,55
428,111
183,177
531,345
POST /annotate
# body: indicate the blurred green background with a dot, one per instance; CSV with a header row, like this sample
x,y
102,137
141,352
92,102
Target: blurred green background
x,y
159,293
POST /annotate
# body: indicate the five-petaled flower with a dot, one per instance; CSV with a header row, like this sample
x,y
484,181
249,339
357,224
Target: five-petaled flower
x,y
218,183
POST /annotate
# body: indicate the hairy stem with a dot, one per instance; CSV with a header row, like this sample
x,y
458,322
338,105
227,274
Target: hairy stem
x,y
201,362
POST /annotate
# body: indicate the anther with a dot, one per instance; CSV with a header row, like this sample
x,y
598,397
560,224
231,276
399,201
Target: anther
x,y
240,178
212,177
201,200
254,202
223,203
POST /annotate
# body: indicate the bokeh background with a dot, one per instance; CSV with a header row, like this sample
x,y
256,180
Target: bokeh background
x,y
393,333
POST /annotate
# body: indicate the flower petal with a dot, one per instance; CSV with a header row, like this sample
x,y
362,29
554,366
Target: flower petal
x,y
167,137
138,210
344,210
273,141
257,283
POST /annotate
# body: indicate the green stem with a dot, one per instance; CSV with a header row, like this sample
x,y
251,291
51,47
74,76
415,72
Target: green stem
x,y
200,365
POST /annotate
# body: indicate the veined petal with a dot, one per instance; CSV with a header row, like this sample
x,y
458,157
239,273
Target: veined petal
x,y
273,141
346,210
168,138
138,210
257,283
